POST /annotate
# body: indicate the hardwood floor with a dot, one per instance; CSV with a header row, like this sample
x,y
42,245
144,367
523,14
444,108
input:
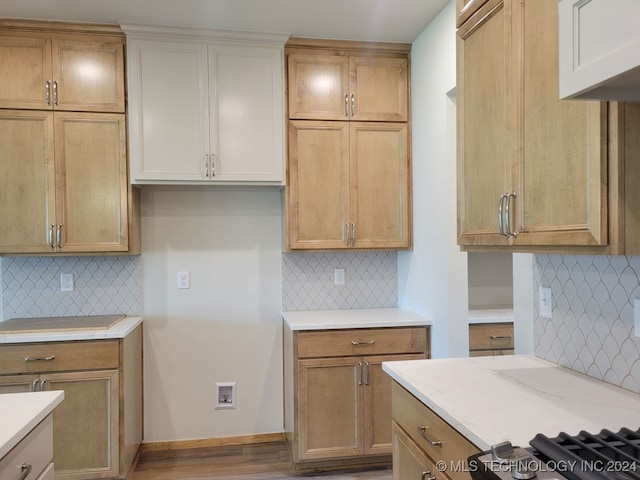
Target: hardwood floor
x,y
263,461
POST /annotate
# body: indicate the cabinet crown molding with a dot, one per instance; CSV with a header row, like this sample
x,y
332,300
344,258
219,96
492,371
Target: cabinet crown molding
x,y
205,34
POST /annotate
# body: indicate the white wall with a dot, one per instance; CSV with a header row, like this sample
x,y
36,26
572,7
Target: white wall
x,y
227,326
433,277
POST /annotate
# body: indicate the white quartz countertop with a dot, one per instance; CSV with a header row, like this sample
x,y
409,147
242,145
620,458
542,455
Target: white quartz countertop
x,y
514,397
119,330
22,412
492,315
355,318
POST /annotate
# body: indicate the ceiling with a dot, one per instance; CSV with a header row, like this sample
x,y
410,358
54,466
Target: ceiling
x,y
367,20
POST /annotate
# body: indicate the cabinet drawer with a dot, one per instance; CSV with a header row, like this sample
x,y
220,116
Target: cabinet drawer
x,y
36,450
425,428
362,341
491,336
56,357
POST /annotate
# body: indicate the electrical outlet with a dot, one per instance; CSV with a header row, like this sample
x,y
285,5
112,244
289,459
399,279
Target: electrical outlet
x,y
66,282
338,276
546,302
225,395
184,280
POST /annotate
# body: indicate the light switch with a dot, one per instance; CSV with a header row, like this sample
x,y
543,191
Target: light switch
x,y
546,302
183,280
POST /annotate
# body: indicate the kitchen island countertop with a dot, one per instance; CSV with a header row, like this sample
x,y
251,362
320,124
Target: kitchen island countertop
x,y
119,330
22,412
354,318
514,397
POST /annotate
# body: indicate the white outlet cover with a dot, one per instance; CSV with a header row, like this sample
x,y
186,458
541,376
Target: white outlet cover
x,y
546,302
184,280
66,282
338,276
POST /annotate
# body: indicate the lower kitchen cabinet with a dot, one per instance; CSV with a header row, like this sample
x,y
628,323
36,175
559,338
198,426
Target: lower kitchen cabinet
x,y
423,439
98,426
31,458
486,339
337,398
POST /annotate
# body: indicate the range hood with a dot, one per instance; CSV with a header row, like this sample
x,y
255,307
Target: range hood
x,y
599,49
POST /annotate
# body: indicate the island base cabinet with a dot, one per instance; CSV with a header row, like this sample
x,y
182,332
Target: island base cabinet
x,y
409,462
36,450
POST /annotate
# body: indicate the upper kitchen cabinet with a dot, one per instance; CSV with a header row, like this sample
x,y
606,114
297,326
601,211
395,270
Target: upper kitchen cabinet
x,y
336,83
534,172
466,8
349,182
51,70
205,107
599,49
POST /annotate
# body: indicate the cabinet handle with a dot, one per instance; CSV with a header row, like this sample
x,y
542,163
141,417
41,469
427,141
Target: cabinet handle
x,y
500,337
356,342
47,92
359,373
50,236
39,359
34,385
510,233
26,470
366,378
42,385
423,433
500,216
55,92
353,104
346,104
213,165
425,475
59,235
205,164
353,233
345,233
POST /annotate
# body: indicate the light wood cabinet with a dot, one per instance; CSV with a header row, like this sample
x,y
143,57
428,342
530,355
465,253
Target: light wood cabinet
x,y
338,408
487,339
349,168
98,427
205,110
64,182
422,439
533,171
327,86
348,185
466,8
47,69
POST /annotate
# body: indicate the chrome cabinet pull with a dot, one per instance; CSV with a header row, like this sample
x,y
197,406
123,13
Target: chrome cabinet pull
x,y
47,92
50,236
25,471
40,359
213,165
359,373
500,337
366,378
346,236
423,433
59,235
353,233
42,385
510,233
353,104
425,475
205,164
55,92
356,342
34,385
346,104
500,216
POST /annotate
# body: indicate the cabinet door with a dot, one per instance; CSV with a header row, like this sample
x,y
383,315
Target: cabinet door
x,y
318,195
27,181
380,186
85,425
409,462
91,182
26,68
330,407
247,120
379,88
483,114
19,383
377,403
318,87
563,164
88,75
168,111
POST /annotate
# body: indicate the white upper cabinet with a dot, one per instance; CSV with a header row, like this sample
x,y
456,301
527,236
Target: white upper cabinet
x,y
599,49
204,107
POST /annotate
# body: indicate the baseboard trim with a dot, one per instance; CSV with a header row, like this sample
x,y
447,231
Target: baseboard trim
x,y
213,442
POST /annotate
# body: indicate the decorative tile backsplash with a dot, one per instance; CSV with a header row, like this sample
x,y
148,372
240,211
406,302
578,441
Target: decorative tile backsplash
x,y
592,330
371,280
103,285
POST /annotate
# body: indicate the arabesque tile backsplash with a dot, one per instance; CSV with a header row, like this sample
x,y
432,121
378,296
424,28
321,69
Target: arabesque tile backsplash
x,y
592,329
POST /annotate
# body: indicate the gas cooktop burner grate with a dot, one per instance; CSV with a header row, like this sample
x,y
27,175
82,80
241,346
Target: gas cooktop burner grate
x,y
589,456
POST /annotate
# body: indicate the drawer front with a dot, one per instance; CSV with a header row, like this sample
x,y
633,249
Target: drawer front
x,y
56,357
362,341
35,450
491,336
409,462
432,434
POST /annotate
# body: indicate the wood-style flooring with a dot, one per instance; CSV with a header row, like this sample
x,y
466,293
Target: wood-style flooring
x,y
263,461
